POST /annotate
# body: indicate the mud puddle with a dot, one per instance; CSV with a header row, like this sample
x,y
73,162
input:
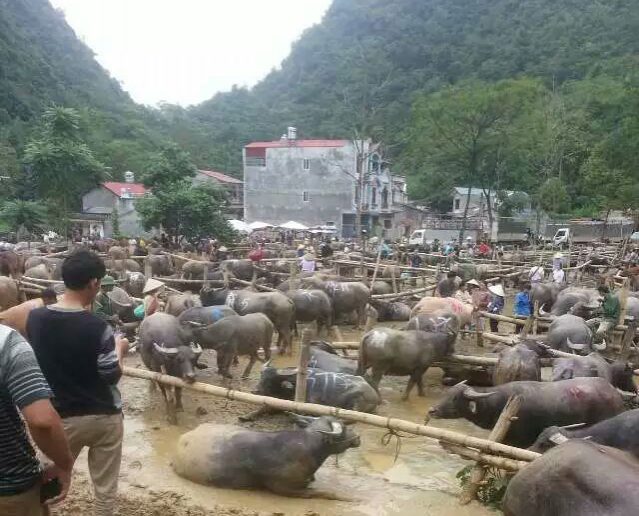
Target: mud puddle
x,y
412,477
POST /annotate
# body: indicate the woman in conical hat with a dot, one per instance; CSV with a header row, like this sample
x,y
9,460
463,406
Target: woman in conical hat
x,y
496,305
152,290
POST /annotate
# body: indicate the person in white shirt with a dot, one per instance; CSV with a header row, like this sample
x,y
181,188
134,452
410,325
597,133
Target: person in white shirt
x,y
536,274
558,275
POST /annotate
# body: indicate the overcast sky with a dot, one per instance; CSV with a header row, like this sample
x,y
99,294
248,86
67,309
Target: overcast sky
x,y
184,51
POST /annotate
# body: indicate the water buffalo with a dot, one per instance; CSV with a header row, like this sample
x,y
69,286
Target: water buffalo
x,y
237,335
240,269
11,264
204,315
9,293
545,294
619,374
346,298
117,252
161,264
124,265
577,301
275,305
391,310
324,357
402,353
178,303
570,333
162,349
381,288
135,283
580,400
283,462
619,432
322,387
520,362
428,305
41,272
312,305
194,270
578,478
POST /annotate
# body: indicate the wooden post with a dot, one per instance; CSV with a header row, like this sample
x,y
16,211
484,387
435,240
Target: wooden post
x,y
535,315
225,275
148,270
207,281
302,366
293,276
379,256
626,341
480,331
393,279
497,435
362,271
623,302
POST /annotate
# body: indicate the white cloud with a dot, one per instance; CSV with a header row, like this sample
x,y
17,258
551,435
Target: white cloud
x,y
185,51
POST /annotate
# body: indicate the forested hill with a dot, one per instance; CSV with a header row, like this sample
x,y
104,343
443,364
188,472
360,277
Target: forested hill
x,y
361,66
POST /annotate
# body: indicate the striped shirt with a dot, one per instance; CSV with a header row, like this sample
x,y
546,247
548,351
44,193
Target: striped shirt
x,y
21,384
76,351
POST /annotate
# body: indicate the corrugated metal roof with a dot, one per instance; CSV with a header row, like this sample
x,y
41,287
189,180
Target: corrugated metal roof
x,y
223,178
278,144
132,188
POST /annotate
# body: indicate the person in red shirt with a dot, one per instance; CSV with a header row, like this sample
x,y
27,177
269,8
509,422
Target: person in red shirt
x,y
256,254
483,249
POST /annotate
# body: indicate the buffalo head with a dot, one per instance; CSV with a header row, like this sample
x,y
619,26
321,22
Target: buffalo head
x,y
180,361
337,436
457,402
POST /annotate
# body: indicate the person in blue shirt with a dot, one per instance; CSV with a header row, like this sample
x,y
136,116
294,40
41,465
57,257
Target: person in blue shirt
x,y
522,306
496,305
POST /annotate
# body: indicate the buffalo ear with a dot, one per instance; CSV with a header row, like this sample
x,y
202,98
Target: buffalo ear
x,y
472,406
201,366
288,385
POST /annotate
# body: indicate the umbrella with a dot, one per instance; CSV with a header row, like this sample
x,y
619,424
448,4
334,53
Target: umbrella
x,y
291,224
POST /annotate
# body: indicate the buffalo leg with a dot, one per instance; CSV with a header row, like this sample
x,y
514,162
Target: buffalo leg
x,y
247,371
224,361
376,378
412,380
170,405
420,387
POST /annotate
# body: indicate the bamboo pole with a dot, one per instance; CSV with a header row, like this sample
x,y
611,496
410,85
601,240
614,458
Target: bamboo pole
x,y
379,257
302,366
489,460
406,293
349,415
497,434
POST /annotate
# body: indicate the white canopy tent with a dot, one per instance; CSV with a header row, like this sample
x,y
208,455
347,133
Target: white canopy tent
x,y
258,225
291,224
240,225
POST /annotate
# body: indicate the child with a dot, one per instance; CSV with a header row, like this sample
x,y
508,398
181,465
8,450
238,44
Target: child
x,y
522,305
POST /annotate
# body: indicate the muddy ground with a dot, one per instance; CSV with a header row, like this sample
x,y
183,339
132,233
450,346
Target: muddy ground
x,y
420,481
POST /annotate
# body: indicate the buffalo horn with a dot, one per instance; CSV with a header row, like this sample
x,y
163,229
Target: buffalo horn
x,y
572,345
543,313
600,347
267,364
196,348
287,372
165,351
472,394
336,429
558,438
572,427
195,324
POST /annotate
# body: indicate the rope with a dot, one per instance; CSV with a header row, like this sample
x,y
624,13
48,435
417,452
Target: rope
x,y
386,439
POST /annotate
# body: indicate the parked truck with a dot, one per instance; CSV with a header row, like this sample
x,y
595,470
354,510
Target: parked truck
x,y
585,232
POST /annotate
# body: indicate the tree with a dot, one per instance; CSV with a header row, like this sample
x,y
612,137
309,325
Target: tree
x,y
63,165
553,196
461,132
169,166
115,223
186,212
19,214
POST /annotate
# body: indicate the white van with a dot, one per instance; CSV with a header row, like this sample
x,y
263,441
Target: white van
x,y
561,237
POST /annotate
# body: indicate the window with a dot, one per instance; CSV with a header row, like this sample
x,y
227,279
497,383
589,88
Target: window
x,y
330,223
374,196
457,203
306,197
307,164
388,223
255,162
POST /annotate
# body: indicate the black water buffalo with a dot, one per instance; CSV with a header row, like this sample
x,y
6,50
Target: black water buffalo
x,y
580,400
517,363
346,298
545,294
275,305
570,333
619,374
619,432
194,270
283,462
323,357
312,305
402,353
391,310
578,478
178,303
437,321
162,349
161,264
204,315
577,301
325,388
236,335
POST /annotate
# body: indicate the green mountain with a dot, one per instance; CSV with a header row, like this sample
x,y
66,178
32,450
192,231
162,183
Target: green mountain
x,y
361,67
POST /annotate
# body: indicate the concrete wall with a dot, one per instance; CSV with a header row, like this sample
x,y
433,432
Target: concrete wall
x,y
98,198
275,193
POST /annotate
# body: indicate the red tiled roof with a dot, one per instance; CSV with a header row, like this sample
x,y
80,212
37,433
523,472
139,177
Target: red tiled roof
x,y
116,188
223,178
296,143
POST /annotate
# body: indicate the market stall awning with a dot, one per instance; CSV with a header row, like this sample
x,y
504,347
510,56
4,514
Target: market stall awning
x,y
239,225
259,225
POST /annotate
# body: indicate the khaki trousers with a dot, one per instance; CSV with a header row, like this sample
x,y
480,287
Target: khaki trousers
x,y
25,504
103,436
